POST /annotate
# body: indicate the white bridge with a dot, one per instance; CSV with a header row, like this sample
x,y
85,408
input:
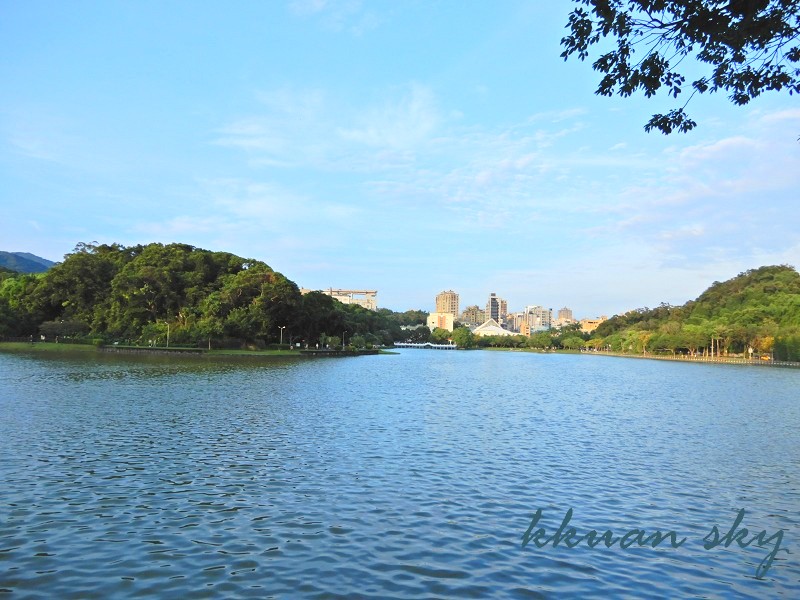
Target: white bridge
x,y
426,345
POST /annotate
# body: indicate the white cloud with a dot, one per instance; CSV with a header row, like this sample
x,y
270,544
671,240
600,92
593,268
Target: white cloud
x,y
400,123
683,232
780,117
271,207
728,149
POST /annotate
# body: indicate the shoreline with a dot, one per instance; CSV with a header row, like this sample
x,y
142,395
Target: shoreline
x,y
67,348
722,360
719,360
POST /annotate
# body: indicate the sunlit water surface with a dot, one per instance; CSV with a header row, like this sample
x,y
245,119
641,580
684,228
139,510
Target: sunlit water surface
x,y
406,476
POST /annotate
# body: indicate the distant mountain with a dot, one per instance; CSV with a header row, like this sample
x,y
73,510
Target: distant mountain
x,y
24,262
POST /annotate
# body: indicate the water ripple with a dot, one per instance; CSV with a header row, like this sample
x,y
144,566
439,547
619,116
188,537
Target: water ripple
x,y
407,476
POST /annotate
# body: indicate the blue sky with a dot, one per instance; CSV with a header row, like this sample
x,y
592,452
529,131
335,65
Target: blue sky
x,y
408,147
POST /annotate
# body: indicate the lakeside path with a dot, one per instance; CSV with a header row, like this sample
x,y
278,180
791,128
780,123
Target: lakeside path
x,y
722,360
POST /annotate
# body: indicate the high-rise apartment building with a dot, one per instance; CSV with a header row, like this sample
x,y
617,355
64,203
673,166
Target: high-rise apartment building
x,y
538,318
473,315
447,302
496,308
514,321
565,316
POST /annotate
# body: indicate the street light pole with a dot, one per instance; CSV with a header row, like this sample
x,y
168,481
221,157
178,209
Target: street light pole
x,y
281,327
167,334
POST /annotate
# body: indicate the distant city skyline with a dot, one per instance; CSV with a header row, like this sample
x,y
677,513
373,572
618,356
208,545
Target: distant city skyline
x,y
403,147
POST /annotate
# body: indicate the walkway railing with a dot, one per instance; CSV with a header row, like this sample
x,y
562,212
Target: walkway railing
x,y
426,345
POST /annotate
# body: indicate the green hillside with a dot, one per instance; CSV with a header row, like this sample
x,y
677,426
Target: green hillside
x,y
758,309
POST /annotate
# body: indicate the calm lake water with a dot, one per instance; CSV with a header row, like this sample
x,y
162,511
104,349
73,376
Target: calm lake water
x,y
406,476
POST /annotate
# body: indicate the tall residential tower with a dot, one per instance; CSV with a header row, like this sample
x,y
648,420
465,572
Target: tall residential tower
x,y
447,302
496,308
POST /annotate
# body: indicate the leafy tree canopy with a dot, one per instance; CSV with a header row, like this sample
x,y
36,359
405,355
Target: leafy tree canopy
x,y
463,337
4,273
147,293
748,46
440,336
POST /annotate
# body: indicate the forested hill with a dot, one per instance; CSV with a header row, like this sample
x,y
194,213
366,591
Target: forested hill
x,y
757,309
769,295
142,293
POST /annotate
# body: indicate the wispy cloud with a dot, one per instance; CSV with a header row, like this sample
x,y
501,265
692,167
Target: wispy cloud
x,y
720,199
41,134
308,7
306,128
351,16
289,230
401,123
405,154
732,148
779,117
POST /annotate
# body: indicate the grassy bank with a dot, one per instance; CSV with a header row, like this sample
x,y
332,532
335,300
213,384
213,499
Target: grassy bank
x,y
293,353
194,351
45,347
52,348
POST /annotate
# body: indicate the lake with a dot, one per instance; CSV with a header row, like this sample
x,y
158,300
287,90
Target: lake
x,y
414,475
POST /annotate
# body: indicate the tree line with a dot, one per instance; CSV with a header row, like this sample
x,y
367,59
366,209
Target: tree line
x,y
146,294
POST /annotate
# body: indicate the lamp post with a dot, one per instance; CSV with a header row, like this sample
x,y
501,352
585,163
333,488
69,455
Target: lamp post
x,y
167,322
282,327
343,332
